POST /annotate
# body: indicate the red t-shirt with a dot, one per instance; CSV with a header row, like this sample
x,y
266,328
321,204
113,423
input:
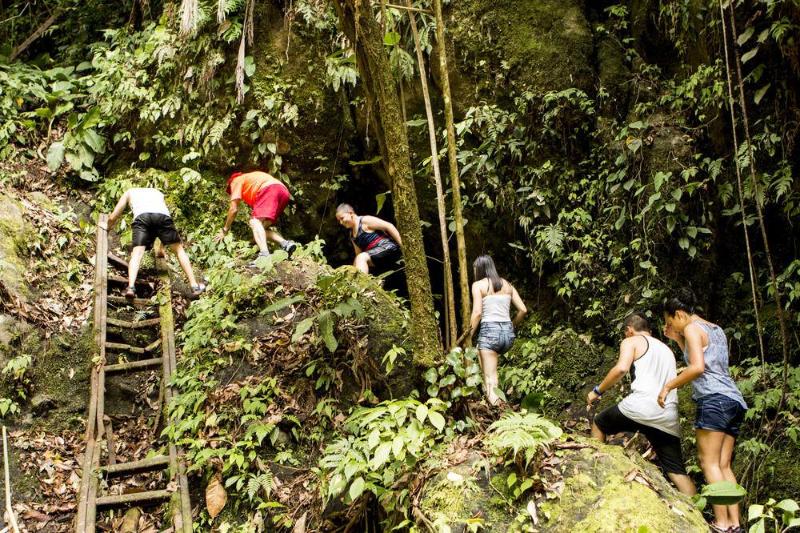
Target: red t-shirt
x,y
246,186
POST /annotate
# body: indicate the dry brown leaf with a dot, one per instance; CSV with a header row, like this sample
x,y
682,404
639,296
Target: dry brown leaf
x,y
216,497
300,525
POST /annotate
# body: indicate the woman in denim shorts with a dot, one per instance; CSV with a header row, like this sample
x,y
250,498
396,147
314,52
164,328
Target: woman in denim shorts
x,y
720,405
492,297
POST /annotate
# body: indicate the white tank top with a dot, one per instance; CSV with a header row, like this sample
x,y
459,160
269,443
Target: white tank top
x,y
147,200
496,308
650,373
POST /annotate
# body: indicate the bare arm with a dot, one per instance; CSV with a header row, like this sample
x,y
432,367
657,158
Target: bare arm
x,y
477,307
233,208
694,343
519,305
119,209
627,354
357,250
375,223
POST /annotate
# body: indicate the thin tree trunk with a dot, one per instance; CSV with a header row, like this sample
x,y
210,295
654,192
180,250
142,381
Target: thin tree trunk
x,y
450,301
38,32
380,87
455,180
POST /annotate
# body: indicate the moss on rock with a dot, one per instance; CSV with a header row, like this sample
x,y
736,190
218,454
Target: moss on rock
x,y
604,490
539,45
13,237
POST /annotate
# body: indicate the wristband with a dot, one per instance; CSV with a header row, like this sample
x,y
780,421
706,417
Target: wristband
x,y
596,390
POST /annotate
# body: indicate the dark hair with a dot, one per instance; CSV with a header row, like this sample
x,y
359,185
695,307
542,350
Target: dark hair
x,y
344,208
683,300
637,321
483,267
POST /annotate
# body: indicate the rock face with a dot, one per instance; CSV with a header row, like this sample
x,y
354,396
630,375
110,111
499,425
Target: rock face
x,y
602,490
12,239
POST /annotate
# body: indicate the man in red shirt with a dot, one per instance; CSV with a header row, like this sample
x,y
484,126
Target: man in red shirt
x,y
267,197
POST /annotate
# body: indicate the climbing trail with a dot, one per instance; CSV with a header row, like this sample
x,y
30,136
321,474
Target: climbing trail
x,y
100,463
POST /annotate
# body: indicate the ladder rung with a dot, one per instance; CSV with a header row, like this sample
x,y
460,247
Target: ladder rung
x,y
134,365
117,261
133,497
133,349
132,466
120,279
150,322
138,302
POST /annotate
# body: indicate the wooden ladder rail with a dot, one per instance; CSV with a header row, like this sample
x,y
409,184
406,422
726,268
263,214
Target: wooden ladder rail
x,y
88,500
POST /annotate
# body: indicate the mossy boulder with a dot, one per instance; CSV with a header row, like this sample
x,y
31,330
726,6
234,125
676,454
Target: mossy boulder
x,y
594,488
13,236
538,45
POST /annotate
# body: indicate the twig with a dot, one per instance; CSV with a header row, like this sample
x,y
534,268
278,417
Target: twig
x,y
11,517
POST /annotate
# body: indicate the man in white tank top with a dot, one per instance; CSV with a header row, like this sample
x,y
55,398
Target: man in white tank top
x,y
651,364
151,220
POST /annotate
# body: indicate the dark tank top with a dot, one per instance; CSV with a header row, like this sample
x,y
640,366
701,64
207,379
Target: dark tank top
x,y
366,240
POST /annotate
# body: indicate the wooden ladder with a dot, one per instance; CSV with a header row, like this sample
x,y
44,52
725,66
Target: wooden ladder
x,y
96,433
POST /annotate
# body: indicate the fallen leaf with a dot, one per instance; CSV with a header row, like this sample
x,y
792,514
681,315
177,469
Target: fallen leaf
x,y
216,497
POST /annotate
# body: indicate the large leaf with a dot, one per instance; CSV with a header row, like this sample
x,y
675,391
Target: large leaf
x,y
216,497
302,328
326,330
280,304
55,156
723,493
356,488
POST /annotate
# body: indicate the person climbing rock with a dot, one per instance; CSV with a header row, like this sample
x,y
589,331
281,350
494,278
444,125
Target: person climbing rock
x,y
651,364
720,404
376,241
268,198
151,219
492,297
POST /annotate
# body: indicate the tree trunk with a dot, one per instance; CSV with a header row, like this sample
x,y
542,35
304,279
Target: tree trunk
x,y
449,292
455,180
363,31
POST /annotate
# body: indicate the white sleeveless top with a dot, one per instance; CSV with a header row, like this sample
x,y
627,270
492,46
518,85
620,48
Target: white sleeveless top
x,y
650,373
496,308
147,200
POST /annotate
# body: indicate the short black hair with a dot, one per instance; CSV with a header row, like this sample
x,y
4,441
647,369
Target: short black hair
x,y
637,321
683,300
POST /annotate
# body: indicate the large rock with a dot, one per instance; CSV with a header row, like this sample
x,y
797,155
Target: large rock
x,y
601,490
538,45
13,234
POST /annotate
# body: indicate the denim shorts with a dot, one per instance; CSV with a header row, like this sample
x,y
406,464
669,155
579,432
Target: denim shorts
x,y
496,336
717,412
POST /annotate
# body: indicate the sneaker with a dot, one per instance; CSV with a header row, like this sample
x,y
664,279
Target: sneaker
x,y
289,247
197,290
130,293
254,262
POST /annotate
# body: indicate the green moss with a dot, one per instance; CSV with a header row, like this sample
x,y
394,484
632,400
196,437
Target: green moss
x,y
541,45
14,234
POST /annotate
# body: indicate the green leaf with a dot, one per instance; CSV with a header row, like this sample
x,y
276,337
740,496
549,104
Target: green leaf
x,y
430,375
422,412
302,328
55,156
436,419
745,36
391,38
381,455
280,304
760,93
356,488
380,199
754,512
723,493
750,55
789,506
249,66
326,330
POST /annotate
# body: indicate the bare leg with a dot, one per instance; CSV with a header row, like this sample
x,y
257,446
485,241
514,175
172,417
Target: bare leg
x,y
183,259
133,265
728,443
362,262
272,235
684,483
597,434
259,235
709,447
490,381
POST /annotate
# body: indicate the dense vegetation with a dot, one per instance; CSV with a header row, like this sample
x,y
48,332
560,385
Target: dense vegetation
x,y
609,152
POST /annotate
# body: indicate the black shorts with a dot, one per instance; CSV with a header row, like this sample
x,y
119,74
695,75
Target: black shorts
x,y
666,446
148,226
385,255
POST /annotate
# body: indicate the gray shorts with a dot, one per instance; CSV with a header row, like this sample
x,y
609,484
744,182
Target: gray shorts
x,y
496,336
